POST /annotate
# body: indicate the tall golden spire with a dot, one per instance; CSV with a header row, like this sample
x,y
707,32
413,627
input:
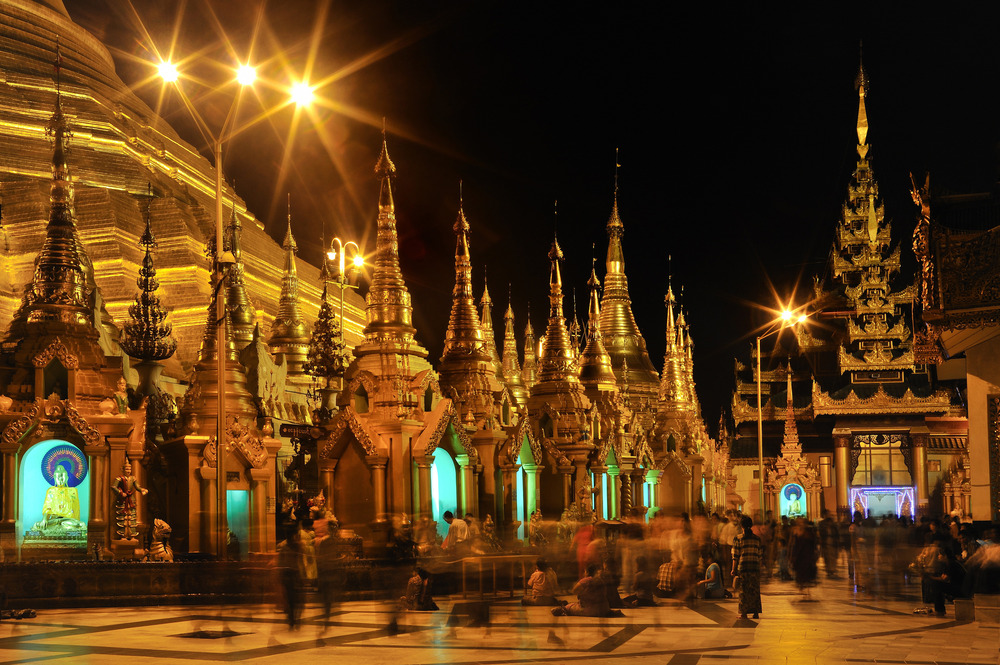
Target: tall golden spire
x,y
673,385
486,321
511,367
791,429
241,311
530,371
558,362
289,335
620,333
389,311
574,330
595,363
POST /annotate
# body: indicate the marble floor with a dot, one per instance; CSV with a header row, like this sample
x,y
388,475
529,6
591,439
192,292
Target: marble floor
x,y
836,626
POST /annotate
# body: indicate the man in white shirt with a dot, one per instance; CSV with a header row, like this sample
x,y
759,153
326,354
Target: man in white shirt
x,y
458,532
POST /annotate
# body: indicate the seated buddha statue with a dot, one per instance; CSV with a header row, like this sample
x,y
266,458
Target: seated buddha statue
x,y
62,503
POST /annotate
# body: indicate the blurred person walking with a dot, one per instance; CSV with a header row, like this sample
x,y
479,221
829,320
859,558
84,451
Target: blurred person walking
x,y
747,555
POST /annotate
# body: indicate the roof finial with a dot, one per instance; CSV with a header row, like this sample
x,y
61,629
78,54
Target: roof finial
x,y
617,166
555,219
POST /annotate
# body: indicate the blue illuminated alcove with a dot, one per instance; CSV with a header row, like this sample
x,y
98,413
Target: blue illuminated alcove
x,y
35,480
444,487
238,516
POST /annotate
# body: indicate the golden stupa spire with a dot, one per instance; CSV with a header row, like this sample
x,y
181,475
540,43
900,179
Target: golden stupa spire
x,y
389,310
619,330
595,363
530,371
557,362
511,367
240,310
673,387
289,335
465,366
862,85
464,341
486,320
791,438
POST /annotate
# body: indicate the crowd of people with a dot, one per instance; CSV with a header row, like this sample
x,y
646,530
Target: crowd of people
x,y
635,563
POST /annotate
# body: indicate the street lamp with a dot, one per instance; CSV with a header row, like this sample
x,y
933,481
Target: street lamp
x,y
788,319
245,76
342,278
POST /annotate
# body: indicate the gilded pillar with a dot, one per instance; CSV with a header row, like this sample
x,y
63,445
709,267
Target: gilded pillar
x,y
567,481
258,508
532,473
9,486
919,436
205,475
464,485
653,477
613,509
599,490
509,500
841,463
329,482
378,465
422,500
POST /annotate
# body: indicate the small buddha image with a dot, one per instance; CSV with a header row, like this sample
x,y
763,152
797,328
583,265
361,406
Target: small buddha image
x,y
793,493
62,503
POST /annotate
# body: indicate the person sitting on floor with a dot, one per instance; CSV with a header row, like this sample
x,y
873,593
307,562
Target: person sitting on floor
x,y
665,577
612,579
711,586
418,593
542,586
643,585
592,596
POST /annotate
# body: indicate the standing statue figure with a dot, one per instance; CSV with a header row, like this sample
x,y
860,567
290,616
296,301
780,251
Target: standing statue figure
x,y
125,488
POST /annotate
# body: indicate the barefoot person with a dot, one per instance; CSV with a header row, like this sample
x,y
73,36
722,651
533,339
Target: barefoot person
x,y
747,554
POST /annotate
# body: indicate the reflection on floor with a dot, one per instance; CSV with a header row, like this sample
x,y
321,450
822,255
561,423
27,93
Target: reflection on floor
x,y
835,626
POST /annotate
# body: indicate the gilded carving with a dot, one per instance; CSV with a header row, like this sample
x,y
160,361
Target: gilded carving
x,y
56,349
880,402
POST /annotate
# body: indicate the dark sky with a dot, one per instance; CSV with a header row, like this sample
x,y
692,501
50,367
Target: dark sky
x,y
735,126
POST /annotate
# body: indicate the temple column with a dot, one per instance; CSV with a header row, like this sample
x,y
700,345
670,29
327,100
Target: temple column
x,y
378,465
653,477
567,481
476,473
841,463
329,470
464,485
205,533
919,436
422,500
508,482
599,490
9,486
258,508
533,473
613,506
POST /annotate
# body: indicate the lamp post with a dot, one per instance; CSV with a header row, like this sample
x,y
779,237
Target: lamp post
x,y
301,95
788,319
343,281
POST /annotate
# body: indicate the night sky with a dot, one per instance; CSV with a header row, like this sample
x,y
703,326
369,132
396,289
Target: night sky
x,y
735,128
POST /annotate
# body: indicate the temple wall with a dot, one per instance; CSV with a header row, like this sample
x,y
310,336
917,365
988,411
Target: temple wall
x,y
983,366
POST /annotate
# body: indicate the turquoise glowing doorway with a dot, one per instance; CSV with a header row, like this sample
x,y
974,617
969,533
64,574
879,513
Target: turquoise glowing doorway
x,y
444,488
42,490
238,516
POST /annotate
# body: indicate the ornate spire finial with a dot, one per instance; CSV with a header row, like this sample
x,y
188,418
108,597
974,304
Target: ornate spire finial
x,y
509,362
289,335
146,335
861,83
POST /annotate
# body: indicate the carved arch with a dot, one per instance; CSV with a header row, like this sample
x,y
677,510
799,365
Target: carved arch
x,y
56,349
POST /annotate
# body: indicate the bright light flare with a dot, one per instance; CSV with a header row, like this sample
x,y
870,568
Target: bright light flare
x,y
246,75
786,315
802,319
303,94
359,261
167,71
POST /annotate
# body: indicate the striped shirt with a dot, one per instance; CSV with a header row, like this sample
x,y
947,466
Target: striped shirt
x,y
747,553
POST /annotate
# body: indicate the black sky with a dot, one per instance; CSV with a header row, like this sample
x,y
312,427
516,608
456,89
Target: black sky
x,y
735,126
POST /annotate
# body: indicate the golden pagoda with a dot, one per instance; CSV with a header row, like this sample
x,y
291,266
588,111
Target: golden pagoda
x,y
289,335
529,373
66,401
619,331
510,364
486,320
558,408
393,425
